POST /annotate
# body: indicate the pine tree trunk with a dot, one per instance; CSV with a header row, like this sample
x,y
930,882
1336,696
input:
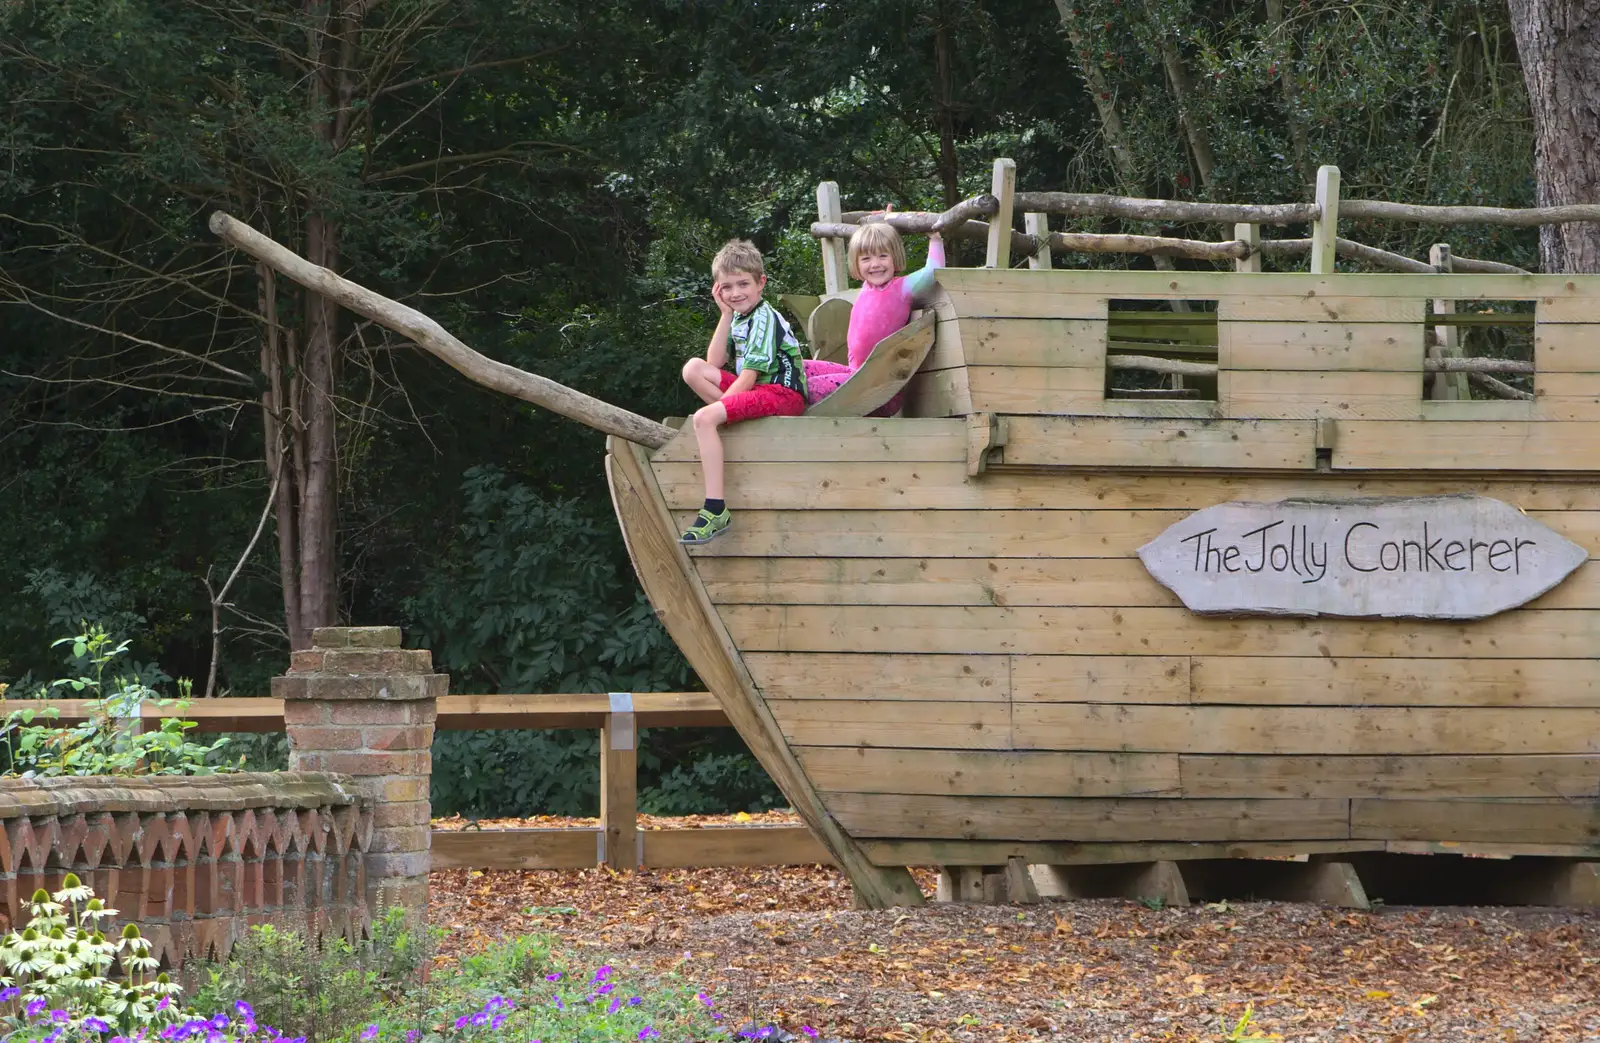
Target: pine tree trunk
x,y
1559,44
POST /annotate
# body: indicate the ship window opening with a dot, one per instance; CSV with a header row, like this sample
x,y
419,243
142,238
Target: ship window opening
x,y
1478,351
1162,349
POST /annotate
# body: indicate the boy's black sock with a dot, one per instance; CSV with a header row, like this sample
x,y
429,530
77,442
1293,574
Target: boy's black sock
x,y
715,506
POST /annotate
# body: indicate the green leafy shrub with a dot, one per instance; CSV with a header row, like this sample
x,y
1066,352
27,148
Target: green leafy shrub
x,y
106,743
55,972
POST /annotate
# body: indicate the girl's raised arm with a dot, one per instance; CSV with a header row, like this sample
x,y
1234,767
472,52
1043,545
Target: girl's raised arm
x,y
918,286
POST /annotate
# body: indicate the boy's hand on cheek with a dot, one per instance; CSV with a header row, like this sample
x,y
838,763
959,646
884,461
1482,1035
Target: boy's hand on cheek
x,y
716,294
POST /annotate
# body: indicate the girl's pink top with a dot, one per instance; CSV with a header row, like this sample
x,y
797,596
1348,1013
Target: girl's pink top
x,y
877,312
880,310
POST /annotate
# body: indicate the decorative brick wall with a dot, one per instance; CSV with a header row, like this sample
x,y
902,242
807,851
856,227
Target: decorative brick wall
x,y
194,861
358,704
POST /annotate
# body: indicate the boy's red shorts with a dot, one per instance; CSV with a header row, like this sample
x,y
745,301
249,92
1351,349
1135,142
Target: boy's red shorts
x,y
761,400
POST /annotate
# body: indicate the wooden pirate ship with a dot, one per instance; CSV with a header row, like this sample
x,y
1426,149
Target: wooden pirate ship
x,y
979,633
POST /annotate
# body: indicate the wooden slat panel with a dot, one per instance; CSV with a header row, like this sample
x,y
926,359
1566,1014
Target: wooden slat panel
x,y
1017,582
941,678
1345,308
1087,819
1582,306
1021,389
1567,777
1467,446
933,581
1000,534
995,852
944,393
733,846
1566,347
1021,303
1100,679
1097,442
1307,396
1321,346
1483,821
1020,342
945,486
515,848
887,723
982,773
1304,730
1220,680
1322,681
1152,631
817,440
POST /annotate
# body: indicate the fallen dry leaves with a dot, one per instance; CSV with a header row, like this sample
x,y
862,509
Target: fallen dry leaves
x,y
783,945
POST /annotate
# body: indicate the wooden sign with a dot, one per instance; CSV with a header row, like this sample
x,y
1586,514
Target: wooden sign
x,y
1432,557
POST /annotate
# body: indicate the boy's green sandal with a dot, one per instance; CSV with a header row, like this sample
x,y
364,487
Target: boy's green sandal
x,y
707,526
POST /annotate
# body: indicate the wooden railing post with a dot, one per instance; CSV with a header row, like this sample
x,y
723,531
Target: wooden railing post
x,y
619,783
1325,229
1446,341
1004,188
835,262
1250,235
1038,226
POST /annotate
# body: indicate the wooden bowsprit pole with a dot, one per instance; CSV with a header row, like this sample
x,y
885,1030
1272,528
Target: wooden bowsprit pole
x,y
436,340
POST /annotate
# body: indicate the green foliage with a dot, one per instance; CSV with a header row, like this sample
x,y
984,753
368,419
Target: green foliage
x,y
320,991
56,972
520,988
107,742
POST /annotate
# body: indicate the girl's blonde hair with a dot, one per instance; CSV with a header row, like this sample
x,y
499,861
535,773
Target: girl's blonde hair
x,y
876,238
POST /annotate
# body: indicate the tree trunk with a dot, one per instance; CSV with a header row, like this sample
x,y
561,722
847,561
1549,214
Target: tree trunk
x,y
1118,146
1559,44
277,434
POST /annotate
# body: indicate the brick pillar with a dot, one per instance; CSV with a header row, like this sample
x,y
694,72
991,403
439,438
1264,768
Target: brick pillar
x,y
359,704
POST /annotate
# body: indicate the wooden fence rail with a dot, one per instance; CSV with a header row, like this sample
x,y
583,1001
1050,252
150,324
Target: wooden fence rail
x,y
617,841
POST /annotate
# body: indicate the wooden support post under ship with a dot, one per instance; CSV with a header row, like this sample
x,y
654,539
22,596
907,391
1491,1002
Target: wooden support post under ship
x,y
1155,567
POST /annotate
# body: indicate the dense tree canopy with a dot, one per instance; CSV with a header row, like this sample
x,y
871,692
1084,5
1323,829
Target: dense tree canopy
x,y
549,178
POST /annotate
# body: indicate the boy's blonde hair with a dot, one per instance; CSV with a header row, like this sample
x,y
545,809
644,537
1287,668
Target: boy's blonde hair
x,y
738,255
876,238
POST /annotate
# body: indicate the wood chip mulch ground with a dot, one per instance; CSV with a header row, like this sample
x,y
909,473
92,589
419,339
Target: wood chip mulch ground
x,y
782,946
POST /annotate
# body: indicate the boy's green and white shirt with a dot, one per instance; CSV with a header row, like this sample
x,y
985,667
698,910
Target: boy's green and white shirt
x,y
763,342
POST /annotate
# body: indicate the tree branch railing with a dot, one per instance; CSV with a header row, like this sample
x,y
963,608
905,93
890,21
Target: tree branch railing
x,y
962,222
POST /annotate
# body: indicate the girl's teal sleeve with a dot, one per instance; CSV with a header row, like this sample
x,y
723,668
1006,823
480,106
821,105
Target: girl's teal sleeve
x,y
918,286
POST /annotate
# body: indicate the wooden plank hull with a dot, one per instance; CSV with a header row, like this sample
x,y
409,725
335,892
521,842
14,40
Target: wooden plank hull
x,y
959,664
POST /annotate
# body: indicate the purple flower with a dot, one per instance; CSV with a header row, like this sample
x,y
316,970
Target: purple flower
x,y
166,1001
244,1010
808,1030
34,1007
96,1025
603,973
648,1033
7,995
765,1033
54,1037
412,1035
61,1017
616,1005
558,1004
635,1001
170,1032
607,987
219,1022
703,998
369,1033
461,1022
551,977
480,1019
497,1021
